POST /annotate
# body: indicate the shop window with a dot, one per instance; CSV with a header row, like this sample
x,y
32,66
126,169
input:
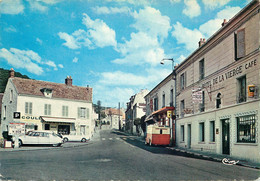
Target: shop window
x,y
65,111
239,38
201,69
201,132
218,101
182,132
28,107
246,129
183,80
47,127
47,109
212,131
241,89
163,100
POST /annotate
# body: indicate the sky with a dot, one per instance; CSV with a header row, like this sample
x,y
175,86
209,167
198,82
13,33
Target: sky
x,y
113,46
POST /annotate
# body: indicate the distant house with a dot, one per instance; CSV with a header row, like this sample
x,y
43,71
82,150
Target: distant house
x,y
41,105
114,117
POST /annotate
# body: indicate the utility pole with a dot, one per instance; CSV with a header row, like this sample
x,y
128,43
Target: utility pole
x,y
119,112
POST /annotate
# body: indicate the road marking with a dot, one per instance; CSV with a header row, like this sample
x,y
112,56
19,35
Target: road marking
x,y
118,138
110,138
103,139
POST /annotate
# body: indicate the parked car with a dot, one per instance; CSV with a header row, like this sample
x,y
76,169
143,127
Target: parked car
x,y
75,137
40,137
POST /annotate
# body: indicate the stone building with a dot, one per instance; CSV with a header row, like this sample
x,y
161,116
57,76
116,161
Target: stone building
x,y
41,105
217,90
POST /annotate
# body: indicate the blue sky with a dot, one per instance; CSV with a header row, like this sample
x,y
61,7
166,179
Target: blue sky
x,y
114,46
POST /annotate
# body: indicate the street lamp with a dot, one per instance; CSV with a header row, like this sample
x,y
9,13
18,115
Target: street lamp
x,y
174,78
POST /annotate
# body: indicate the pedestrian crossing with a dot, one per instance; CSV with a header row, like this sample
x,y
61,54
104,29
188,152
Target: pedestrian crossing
x,y
117,139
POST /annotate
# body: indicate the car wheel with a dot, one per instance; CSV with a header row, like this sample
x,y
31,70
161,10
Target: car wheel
x,y
83,140
56,145
20,143
65,140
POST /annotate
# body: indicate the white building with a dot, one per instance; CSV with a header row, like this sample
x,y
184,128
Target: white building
x,y
115,117
41,105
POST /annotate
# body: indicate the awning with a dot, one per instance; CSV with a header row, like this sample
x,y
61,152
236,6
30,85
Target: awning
x,y
148,118
58,119
163,110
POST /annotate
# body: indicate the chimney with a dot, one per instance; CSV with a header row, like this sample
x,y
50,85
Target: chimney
x,y
11,73
201,42
68,81
224,22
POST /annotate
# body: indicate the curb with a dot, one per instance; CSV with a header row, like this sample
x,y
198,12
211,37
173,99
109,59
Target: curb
x,y
210,158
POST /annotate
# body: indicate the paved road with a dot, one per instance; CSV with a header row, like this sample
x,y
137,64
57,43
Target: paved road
x,y
114,156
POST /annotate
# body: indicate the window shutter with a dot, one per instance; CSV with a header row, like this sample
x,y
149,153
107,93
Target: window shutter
x,y
49,109
87,113
240,43
30,108
45,109
185,79
78,112
26,108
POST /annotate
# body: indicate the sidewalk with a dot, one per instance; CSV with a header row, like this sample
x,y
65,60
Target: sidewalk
x,y
207,155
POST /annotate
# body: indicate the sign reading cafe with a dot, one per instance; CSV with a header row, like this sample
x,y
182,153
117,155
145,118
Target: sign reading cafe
x,y
229,74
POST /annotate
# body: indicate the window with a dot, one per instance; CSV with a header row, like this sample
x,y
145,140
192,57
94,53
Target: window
x,y
65,111
81,112
163,100
202,132
171,97
28,108
202,104
246,129
239,38
182,132
4,114
47,127
35,127
182,108
155,104
201,69
218,101
47,109
241,89
183,80
212,131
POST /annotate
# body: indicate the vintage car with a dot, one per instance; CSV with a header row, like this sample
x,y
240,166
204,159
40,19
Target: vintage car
x,y
75,137
40,138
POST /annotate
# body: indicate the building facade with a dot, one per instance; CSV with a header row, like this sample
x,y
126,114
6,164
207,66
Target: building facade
x,y
136,108
40,105
159,102
217,94
114,117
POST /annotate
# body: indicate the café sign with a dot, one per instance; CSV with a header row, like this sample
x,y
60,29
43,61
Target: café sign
x,y
30,117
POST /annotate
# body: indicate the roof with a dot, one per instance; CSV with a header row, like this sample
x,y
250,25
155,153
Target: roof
x,y
62,91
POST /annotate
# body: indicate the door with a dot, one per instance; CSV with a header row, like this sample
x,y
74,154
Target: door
x,y
225,137
64,129
189,136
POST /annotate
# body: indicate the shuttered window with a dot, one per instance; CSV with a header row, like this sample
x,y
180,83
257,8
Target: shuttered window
x,y
65,111
47,109
240,50
28,108
82,112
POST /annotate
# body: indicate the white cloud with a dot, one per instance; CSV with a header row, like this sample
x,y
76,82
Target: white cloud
x,y
192,8
212,4
22,59
42,5
39,41
151,21
61,66
228,12
144,46
175,1
111,10
180,59
189,38
11,7
75,60
10,29
98,34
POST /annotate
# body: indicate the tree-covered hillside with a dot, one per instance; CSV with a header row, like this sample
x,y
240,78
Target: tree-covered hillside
x,y
4,75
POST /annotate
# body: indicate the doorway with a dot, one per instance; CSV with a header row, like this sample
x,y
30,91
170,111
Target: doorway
x,y
225,136
64,129
189,136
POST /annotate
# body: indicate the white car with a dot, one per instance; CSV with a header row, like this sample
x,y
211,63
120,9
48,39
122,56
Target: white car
x,y
74,137
40,137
